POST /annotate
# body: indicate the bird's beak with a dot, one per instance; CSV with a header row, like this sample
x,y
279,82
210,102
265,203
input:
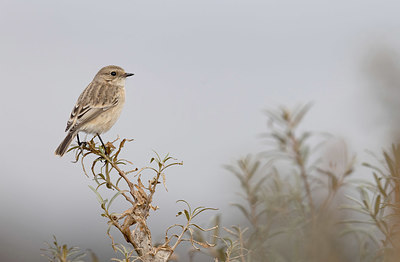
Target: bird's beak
x,y
128,74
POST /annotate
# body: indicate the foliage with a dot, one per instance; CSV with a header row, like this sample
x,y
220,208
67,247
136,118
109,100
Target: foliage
x,y
379,203
61,253
288,198
297,203
107,170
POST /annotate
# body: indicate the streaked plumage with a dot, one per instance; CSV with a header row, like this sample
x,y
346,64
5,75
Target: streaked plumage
x,y
98,107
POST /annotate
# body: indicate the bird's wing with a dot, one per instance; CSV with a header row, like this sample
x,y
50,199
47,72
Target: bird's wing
x,y
94,100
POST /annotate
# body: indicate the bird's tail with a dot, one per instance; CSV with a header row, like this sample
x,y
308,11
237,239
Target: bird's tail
x,y
62,148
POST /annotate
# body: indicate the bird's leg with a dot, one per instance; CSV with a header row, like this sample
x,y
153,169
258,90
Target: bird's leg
x,y
105,149
79,141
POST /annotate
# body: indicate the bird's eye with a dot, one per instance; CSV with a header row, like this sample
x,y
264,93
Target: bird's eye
x,y
113,73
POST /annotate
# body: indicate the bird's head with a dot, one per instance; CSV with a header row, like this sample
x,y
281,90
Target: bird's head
x,y
112,74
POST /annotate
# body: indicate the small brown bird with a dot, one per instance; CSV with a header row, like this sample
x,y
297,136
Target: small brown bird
x,y
98,107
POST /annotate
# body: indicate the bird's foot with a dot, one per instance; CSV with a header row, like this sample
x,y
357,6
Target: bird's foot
x,y
82,144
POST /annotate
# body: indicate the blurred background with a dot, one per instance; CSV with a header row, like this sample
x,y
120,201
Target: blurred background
x,y
204,72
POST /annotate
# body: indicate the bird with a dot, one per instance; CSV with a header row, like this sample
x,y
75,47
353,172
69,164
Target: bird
x,y
98,107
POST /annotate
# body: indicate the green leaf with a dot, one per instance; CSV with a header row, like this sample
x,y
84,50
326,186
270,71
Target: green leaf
x,y
259,184
199,210
186,214
300,114
99,198
254,168
203,229
114,197
334,183
377,203
366,204
390,164
365,197
187,204
243,209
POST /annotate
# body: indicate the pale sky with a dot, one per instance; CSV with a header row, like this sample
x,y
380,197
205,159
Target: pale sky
x,y
204,71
